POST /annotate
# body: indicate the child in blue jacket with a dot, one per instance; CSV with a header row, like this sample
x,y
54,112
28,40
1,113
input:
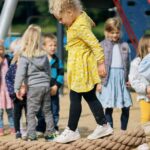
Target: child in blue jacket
x,y
57,75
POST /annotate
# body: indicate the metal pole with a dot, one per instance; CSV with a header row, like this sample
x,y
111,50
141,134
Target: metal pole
x,y
60,47
7,16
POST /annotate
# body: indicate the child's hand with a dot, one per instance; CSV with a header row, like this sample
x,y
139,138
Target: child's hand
x,y
53,90
101,70
98,87
128,84
19,96
23,90
148,91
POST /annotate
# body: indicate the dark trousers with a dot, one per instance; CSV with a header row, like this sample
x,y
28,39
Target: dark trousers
x,y
55,109
76,108
18,107
41,125
124,117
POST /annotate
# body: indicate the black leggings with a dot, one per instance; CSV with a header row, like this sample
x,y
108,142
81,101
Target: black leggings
x,y
76,108
18,107
124,117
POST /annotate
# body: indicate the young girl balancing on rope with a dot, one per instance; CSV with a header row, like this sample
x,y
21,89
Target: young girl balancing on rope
x,y
85,60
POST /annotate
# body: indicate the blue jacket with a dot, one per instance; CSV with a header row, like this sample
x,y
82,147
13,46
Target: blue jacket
x,y
57,71
144,67
137,78
125,53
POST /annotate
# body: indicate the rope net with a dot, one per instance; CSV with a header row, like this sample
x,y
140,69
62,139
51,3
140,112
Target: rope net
x,y
126,141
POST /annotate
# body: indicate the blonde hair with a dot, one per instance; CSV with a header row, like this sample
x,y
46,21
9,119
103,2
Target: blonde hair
x,y
31,42
15,45
50,36
57,7
16,57
112,24
143,45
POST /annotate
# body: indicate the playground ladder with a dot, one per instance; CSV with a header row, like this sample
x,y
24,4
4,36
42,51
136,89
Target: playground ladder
x,y
135,15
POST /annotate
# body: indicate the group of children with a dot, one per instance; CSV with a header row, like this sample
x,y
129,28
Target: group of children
x,y
31,82
98,72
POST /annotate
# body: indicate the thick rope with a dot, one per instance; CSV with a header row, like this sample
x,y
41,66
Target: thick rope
x,y
126,141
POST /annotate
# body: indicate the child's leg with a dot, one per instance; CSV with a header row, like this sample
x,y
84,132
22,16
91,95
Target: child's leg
x,y
1,119
25,110
41,125
95,107
102,128
124,118
75,110
34,101
55,110
10,114
145,111
17,114
108,115
47,111
23,128
71,133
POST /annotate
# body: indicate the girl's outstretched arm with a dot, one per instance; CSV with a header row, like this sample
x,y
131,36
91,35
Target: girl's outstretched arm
x,y
20,73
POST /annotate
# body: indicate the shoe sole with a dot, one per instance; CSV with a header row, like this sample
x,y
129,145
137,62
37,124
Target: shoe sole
x,y
102,135
71,140
143,147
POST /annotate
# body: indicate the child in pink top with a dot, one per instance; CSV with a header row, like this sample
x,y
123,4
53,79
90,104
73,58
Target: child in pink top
x,y
5,100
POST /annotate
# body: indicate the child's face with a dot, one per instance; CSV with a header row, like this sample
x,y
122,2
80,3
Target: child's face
x,y
50,45
113,35
66,18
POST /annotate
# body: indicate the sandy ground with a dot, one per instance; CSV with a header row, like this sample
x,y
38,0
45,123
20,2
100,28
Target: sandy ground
x,y
87,122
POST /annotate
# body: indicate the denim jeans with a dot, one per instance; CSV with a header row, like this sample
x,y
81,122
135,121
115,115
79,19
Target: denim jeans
x,y
55,109
10,117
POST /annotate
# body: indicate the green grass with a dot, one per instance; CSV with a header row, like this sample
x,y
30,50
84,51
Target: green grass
x,y
48,27
20,28
99,31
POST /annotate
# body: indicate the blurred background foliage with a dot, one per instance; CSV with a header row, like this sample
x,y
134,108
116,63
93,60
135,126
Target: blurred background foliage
x,y
37,12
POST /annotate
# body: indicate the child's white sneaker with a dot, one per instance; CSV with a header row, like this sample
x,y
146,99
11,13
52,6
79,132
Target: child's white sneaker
x,y
67,136
143,147
100,131
24,135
